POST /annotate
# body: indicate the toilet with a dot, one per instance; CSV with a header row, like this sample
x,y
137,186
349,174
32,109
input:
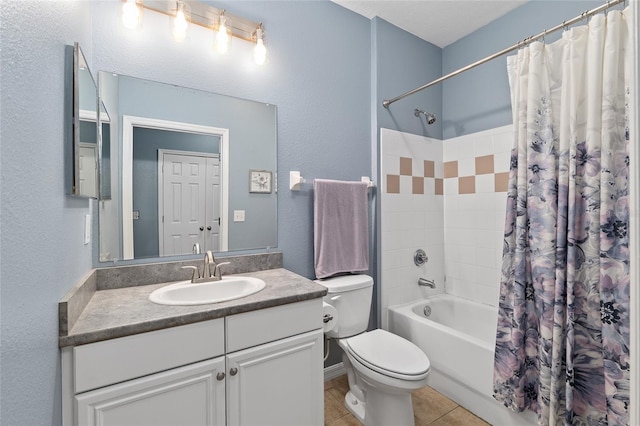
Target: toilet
x,y
382,368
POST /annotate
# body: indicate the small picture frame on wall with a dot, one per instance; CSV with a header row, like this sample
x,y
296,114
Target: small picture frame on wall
x,y
260,181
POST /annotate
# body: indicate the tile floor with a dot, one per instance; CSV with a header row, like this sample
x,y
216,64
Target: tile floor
x,y
430,408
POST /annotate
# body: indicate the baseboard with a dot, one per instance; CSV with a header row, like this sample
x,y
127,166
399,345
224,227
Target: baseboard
x,y
333,371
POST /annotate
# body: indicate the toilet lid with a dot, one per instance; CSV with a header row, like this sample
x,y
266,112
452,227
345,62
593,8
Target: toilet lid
x,y
389,354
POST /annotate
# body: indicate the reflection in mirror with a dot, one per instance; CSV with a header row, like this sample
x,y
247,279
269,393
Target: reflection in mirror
x,y
180,162
86,144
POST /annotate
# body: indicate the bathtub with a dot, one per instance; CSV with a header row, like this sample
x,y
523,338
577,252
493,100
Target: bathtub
x,y
458,336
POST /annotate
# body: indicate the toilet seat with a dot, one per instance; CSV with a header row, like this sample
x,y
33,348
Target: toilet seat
x,y
389,354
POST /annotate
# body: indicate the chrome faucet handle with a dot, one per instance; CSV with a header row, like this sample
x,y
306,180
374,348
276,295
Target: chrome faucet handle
x,y
195,275
216,271
208,260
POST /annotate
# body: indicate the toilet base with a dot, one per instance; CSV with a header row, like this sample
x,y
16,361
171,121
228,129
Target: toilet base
x,y
384,409
381,409
355,406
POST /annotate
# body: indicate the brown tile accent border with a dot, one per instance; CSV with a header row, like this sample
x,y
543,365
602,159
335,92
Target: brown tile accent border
x,y
451,169
484,165
429,168
417,185
393,184
406,166
502,182
439,186
467,185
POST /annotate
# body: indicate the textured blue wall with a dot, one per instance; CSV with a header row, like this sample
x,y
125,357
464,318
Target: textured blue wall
x,y
403,62
479,99
42,253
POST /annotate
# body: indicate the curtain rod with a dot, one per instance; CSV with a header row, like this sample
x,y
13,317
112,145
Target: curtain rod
x,y
518,45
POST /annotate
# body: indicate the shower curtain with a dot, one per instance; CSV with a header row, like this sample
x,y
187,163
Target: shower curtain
x,y
562,347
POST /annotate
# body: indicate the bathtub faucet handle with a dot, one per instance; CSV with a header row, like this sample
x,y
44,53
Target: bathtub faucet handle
x,y
420,257
427,283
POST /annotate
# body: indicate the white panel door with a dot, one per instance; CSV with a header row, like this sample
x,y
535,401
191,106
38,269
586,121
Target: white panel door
x,y
88,173
191,395
183,203
212,232
278,383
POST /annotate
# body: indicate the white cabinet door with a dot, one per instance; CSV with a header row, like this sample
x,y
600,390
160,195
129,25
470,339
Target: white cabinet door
x,y
190,395
278,383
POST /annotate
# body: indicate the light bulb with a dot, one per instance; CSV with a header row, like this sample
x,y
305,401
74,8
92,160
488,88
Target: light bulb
x,y
260,51
130,14
181,22
222,38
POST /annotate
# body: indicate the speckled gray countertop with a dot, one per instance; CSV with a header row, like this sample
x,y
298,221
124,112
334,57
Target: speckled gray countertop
x,y
125,311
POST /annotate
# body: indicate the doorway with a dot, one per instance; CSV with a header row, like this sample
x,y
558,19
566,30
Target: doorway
x,y
131,215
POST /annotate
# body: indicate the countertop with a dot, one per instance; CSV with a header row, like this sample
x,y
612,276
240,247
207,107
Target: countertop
x,y
126,311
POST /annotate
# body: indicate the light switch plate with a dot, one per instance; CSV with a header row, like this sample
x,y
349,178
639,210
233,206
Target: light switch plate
x,y
238,215
87,229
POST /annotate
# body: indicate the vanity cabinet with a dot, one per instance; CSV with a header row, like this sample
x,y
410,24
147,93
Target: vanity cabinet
x,y
262,367
190,395
276,383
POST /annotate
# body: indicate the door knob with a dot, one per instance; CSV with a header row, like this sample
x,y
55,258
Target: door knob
x,y
233,371
220,376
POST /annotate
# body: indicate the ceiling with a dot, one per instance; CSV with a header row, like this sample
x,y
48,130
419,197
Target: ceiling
x,y
440,22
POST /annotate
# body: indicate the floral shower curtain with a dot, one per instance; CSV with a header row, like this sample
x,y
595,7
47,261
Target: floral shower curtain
x,y
562,347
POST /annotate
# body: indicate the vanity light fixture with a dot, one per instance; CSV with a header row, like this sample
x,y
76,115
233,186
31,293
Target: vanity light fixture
x,y
260,51
185,12
131,13
181,21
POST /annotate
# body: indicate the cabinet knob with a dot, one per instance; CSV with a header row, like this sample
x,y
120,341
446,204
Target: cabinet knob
x,y
209,228
220,376
233,371
202,228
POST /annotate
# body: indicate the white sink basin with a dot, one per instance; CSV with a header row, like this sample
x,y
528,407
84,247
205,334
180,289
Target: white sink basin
x,y
187,293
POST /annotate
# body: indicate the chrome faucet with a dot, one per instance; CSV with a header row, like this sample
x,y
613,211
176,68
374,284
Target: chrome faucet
x,y
209,265
427,283
208,260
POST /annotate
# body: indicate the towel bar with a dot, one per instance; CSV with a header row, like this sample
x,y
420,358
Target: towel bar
x,y
295,180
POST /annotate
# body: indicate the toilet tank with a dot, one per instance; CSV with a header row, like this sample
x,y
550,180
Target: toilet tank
x,y
350,295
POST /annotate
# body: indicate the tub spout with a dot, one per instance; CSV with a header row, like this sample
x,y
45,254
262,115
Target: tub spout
x,y
427,283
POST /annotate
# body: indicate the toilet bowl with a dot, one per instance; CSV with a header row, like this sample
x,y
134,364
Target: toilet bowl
x,y
382,368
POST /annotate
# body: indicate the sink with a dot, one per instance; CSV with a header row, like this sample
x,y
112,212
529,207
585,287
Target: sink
x,y
188,293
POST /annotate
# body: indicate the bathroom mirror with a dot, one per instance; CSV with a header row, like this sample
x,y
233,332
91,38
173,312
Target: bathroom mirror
x,y
180,162
85,139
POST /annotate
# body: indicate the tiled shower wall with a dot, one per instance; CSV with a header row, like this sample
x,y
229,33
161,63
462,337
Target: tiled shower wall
x,y
412,217
448,198
476,172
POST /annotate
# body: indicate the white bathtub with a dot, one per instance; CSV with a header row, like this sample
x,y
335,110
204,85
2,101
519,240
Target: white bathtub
x,y
459,339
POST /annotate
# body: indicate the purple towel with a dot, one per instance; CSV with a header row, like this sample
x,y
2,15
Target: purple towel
x,y
341,227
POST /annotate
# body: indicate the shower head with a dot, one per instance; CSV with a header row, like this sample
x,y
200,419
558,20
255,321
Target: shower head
x,y
431,118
